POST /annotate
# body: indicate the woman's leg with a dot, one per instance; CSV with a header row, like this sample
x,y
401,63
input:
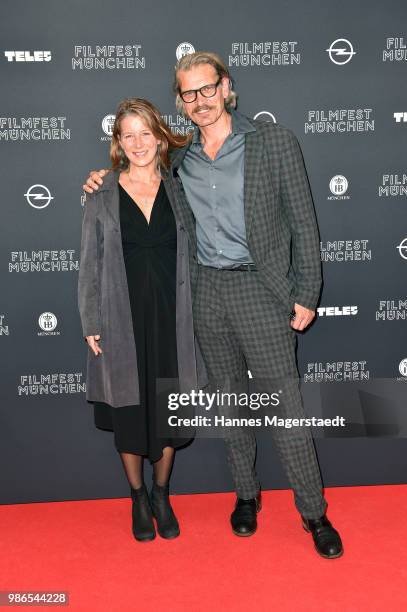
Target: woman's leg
x,y
143,525
133,466
162,468
167,523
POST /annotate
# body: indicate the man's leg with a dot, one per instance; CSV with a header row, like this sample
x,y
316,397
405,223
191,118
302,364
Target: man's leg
x,y
264,333
226,370
268,342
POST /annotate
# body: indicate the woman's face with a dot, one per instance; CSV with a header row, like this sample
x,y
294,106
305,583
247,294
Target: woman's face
x,y
137,141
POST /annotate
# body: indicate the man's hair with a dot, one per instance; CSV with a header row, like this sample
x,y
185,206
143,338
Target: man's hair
x,y
196,59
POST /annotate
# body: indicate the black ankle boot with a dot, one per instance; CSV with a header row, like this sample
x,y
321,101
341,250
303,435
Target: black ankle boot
x,y
167,524
143,525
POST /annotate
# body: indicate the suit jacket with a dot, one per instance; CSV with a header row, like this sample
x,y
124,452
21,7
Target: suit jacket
x,y
104,304
281,227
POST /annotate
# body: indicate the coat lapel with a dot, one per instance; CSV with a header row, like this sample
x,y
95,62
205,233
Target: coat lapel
x,y
110,184
252,162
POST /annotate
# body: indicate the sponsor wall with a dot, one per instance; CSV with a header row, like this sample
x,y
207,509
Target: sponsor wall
x,y
336,75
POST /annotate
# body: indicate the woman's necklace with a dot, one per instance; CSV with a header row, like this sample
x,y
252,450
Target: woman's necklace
x,y
144,200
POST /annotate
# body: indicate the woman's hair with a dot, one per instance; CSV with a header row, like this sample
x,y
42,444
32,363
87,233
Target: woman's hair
x,y
196,59
152,118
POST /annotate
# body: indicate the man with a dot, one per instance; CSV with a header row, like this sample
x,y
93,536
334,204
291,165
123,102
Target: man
x,y
243,195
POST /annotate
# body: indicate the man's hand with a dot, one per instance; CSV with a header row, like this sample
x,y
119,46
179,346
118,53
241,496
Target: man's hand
x,y
94,180
303,317
93,344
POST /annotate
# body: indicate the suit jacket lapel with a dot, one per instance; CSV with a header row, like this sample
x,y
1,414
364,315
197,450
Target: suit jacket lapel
x,y
179,199
177,156
252,161
182,210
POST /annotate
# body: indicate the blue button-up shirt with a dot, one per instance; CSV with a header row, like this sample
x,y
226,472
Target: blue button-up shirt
x,y
215,192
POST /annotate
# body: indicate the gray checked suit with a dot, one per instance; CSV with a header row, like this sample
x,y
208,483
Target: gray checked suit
x,y
241,318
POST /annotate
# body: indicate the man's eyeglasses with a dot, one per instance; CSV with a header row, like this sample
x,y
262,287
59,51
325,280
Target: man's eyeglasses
x,y
207,91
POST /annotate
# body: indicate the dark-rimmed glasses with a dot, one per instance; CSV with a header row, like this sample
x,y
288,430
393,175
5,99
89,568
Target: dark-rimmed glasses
x,y
207,91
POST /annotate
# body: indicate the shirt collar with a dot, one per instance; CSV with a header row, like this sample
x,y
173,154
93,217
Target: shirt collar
x,y
240,125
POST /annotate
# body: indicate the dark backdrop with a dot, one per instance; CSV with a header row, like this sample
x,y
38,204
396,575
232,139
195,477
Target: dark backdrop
x,y
333,72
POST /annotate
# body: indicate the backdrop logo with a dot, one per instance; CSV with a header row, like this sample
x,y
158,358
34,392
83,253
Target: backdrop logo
x,y
34,128
43,261
107,127
108,57
48,322
393,185
403,367
268,53
38,196
4,330
336,371
337,311
402,248
265,116
392,310
340,51
339,120
395,50
345,250
400,117
178,124
338,186
58,383
28,56
184,48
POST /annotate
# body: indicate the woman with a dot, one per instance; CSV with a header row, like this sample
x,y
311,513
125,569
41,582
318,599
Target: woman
x,y
135,306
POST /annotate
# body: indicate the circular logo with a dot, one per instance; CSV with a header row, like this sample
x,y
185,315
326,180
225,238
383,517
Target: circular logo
x,y
403,367
38,196
47,321
338,184
402,248
184,48
265,116
341,51
107,124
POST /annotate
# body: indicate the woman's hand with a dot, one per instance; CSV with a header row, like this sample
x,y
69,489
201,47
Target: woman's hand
x,y
93,344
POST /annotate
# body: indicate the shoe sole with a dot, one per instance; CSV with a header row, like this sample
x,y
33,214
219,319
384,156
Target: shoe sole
x,y
169,537
321,554
244,535
144,539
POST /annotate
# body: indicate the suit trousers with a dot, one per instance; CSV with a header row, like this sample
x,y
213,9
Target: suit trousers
x,y
240,325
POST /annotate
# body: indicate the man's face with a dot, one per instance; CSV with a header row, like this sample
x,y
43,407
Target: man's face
x,y
204,111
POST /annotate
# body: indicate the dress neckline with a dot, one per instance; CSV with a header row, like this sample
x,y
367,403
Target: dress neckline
x,y
148,222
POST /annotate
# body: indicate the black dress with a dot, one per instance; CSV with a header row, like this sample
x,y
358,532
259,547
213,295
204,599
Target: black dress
x,y
150,251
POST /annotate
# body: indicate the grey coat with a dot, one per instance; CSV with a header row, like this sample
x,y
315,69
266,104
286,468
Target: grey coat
x,y
281,228
104,304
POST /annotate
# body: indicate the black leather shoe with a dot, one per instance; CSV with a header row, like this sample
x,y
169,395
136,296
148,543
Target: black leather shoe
x,y
167,524
244,517
143,525
326,539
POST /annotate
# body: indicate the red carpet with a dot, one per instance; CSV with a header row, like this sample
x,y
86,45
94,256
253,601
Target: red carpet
x,y
86,548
